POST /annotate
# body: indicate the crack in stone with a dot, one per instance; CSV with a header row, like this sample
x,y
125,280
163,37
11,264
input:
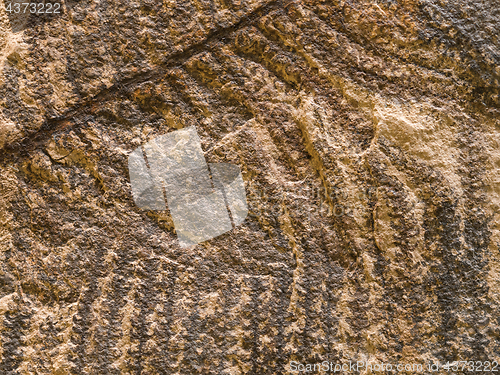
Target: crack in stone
x,y
32,141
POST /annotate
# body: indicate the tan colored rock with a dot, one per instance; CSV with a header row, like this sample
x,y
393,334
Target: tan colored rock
x,y
368,139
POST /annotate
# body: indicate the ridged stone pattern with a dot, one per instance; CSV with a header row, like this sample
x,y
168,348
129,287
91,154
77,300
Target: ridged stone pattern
x,y
368,136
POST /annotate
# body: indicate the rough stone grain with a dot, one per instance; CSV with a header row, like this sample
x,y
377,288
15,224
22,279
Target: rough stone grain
x,y
368,135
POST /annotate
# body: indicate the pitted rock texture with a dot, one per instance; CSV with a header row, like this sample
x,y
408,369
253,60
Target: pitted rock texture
x,y
368,138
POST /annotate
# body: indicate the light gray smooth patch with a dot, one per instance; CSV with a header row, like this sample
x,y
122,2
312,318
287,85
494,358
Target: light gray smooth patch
x,y
200,220
198,207
227,177
177,159
147,194
198,210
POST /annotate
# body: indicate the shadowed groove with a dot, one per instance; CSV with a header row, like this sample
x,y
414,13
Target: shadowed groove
x,y
22,147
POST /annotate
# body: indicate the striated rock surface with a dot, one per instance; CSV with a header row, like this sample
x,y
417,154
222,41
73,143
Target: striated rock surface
x,y
368,135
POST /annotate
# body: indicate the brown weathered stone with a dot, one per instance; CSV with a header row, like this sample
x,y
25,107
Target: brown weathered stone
x,y
368,138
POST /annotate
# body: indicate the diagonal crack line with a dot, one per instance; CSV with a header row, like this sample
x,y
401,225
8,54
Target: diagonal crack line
x,y
22,148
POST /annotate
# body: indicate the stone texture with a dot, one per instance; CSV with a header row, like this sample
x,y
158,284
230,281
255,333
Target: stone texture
x,y
368,138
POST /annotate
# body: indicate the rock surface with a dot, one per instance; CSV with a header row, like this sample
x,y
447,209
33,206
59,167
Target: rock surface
x,y
368,134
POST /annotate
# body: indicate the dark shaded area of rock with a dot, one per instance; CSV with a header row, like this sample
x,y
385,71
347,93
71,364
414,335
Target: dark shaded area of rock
x,y
368,138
